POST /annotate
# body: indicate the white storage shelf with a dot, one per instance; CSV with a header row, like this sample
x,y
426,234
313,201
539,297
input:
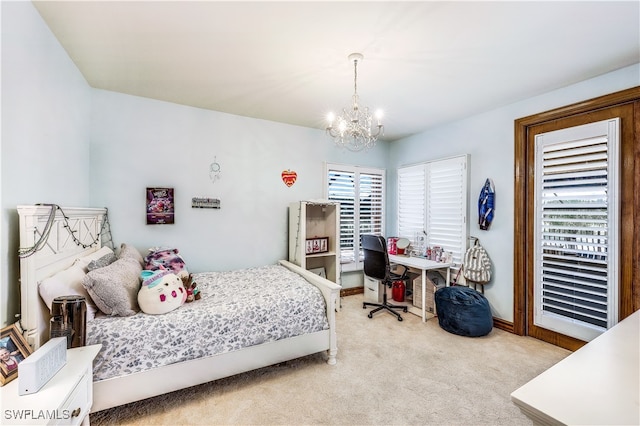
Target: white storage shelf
x,y
308,220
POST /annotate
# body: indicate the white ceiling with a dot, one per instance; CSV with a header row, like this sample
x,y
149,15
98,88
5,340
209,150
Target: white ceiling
x,y
424,62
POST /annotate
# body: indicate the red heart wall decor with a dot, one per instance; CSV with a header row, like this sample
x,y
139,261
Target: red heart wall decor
x,y
289,177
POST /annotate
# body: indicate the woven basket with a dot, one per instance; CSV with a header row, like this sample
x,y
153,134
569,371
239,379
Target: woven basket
x,y
431,288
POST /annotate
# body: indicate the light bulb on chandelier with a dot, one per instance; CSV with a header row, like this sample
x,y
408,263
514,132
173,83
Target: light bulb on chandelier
x,y
354,124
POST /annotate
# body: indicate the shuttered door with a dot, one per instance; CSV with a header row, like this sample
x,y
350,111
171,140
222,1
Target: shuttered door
x,y
577,229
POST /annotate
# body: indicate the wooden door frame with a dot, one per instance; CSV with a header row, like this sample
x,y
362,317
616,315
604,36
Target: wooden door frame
x,y
523,195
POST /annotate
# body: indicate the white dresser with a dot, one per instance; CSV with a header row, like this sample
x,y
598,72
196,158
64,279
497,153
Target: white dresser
x,y
599,384
64,400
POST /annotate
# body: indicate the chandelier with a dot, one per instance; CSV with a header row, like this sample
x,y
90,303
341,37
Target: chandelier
x,y
353,129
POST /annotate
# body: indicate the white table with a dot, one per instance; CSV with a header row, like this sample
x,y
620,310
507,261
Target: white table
x,y
65,399
596,385
424,265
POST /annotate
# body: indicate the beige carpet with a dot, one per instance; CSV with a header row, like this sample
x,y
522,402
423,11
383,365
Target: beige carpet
x,y
388,372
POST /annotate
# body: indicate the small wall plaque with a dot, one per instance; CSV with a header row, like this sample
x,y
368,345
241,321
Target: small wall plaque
x,y
205,203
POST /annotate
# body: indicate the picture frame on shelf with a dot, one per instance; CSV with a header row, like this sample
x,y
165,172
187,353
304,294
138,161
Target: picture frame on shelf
x,y
319,271
317,245
13,350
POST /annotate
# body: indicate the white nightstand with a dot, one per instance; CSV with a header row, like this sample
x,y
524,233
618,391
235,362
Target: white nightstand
x,y
65,400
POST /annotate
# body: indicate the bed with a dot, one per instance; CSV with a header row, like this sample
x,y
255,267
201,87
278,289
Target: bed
x,y
77,233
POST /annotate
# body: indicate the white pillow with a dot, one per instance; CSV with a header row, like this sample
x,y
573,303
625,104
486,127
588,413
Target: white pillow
x,y
84,261
67,283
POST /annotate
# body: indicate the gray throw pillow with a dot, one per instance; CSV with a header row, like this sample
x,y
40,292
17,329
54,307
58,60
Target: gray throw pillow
x,y
105,260
130,251
114,288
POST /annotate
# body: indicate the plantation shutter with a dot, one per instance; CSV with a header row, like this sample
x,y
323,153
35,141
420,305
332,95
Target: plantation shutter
x,y
447,205
371,203
360,192
432,198
411,202
342,188
576,229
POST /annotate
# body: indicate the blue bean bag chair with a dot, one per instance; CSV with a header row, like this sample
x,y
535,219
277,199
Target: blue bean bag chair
x,y
463,311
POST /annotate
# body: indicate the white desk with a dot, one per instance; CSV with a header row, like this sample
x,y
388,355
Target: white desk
x,y
596,385
424,265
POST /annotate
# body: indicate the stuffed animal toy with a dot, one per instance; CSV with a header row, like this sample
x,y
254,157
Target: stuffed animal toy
x,y
162,291
193,292
166,258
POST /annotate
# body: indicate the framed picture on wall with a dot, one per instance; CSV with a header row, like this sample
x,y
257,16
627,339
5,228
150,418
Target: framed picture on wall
x,y
13,350
160,206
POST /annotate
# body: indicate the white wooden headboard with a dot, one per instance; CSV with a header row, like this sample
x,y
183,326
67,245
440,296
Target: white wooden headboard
x,y
57,252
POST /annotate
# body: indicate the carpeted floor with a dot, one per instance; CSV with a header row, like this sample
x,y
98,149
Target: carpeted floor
x,y
388,372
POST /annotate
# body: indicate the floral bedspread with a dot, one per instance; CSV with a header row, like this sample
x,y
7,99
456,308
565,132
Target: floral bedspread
x,y
237,309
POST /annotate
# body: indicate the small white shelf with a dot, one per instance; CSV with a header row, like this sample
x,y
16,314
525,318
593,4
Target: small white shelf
x,y
315,220
325,254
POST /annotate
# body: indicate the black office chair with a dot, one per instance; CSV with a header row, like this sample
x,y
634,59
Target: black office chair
x,y
376,266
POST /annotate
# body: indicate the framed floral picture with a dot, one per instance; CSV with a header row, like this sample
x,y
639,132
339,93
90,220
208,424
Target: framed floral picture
x,y
317,245
13,350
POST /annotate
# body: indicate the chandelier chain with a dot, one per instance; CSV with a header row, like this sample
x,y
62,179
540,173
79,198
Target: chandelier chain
x,y
355,78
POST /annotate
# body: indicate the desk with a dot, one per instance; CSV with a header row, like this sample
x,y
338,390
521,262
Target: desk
x,y
596,385
424,265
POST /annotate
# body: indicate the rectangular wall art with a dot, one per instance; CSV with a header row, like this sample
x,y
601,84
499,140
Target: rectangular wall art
x,y
160,206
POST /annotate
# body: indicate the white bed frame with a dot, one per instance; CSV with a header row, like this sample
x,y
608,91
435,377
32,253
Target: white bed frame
x,y
60,252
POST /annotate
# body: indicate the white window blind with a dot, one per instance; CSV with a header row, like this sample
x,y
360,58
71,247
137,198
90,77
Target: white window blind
x,y
360,192
576,229
432,198
411,201
447,206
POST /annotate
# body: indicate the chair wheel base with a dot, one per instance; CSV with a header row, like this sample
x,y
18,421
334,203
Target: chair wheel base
x,y
384,307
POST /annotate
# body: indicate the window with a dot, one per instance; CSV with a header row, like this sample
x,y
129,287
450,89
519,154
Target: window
x,y
360,192
576,229
432,200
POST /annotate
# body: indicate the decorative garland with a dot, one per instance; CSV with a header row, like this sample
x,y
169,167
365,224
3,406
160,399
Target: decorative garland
x,y
26,252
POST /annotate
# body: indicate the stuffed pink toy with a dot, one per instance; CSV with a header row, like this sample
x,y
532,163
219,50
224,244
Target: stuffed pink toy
x,y
166,258
162,291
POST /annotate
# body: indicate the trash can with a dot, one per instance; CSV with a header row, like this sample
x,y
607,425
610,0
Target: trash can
x,y
398,290
69,319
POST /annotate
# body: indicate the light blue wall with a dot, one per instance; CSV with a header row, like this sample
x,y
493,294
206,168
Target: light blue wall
x,y
489,138
45,132
138,143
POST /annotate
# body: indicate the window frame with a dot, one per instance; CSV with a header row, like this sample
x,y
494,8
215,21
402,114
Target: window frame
x,y
352,262
459,246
